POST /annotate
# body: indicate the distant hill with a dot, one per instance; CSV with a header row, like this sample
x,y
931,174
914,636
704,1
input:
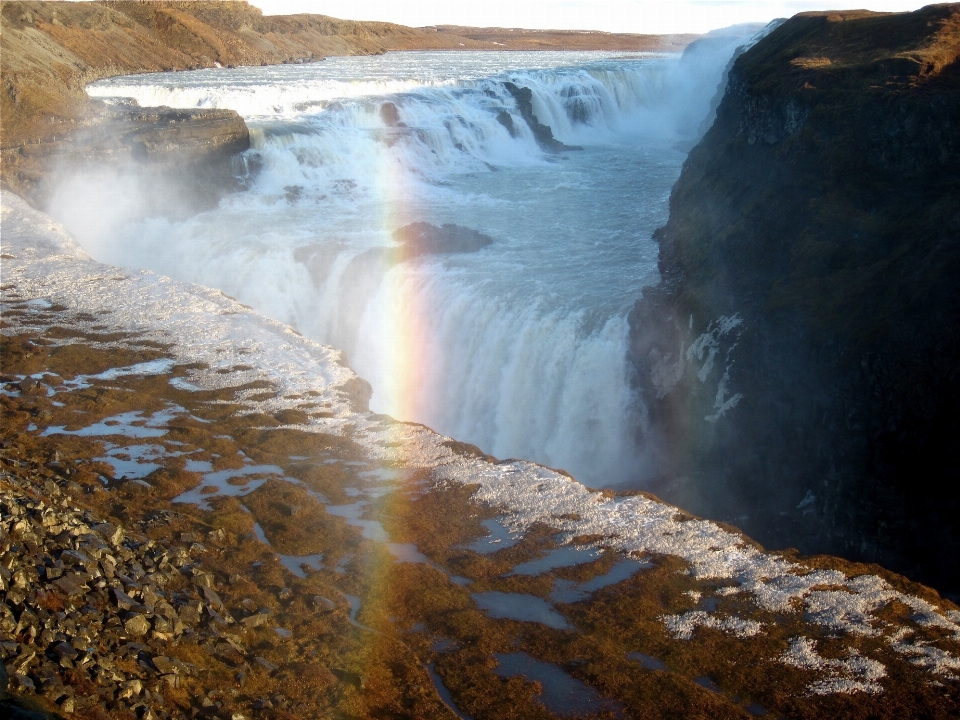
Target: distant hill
x,y
520,39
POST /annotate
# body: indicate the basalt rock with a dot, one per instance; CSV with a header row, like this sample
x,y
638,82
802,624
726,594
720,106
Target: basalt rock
x,y
543,133
799,360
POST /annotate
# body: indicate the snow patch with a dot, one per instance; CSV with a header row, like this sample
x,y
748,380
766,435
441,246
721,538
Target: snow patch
x,y
682,626
852,674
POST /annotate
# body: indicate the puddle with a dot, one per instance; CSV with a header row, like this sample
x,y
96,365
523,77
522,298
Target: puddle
x,y
151,367
408,553
568,591
566,556
199,466
385,475
562,694
377,491
258,531
443,645
445,694
295,563
129,424
499,538
220,477
138,461
517,606
354,609
219,481
370,529
648,661
181,384
756,710
705,682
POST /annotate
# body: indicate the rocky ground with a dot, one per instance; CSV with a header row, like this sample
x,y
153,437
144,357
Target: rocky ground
x,y
201,519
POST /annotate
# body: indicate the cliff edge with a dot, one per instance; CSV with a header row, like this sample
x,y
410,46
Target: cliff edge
x,y
800,360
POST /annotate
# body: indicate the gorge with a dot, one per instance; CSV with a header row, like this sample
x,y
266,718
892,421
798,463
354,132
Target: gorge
x,y
726,278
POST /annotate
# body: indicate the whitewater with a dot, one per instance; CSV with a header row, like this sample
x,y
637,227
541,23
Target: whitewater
x,y
519,347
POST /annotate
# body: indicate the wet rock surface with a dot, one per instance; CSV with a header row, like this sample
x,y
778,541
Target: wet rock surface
x,y
799,359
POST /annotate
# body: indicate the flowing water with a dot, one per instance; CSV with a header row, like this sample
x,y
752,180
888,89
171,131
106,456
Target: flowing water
x,y
518,347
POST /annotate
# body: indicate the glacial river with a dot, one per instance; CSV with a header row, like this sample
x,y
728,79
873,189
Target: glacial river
x,y
519,347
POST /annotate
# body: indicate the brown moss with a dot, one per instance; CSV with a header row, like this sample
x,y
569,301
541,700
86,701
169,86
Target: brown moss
x,y
296,523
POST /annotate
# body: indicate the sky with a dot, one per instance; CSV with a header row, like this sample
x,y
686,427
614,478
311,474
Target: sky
x,y
633,16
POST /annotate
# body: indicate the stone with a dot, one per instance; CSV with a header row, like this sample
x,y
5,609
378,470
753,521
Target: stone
x,y
324,604
265,664
165,665
73,584
211,596
113,534
24,661
21,683
124,601
65,650
255,620
129,689
137,626
136,487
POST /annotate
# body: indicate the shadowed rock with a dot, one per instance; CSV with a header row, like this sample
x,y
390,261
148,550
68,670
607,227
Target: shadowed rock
x,y
422,238
799,359
543,133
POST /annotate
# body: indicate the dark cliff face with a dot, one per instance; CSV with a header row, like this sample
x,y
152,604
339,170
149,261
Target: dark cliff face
x,y
800,361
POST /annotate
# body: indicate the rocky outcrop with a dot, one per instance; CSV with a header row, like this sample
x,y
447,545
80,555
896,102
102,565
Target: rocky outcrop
x,y
543,133
189,153
799,360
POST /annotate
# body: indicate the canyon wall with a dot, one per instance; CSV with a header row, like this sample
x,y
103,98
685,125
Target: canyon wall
x,y
800,360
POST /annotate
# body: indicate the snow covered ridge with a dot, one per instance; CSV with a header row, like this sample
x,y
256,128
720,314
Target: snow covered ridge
x,y
238,346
